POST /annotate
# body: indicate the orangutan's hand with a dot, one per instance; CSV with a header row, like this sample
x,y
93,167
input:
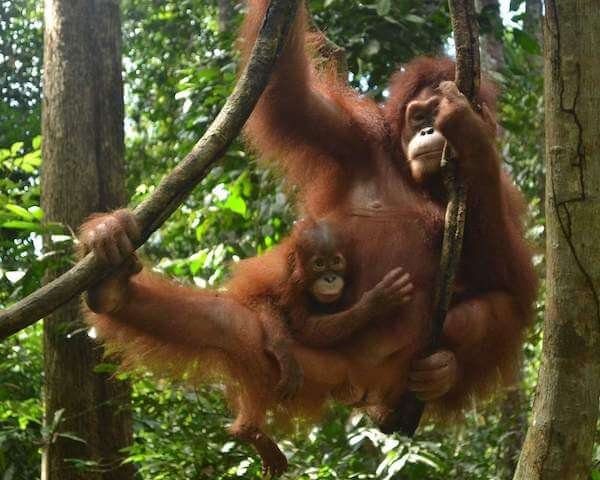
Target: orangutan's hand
x,y
433,376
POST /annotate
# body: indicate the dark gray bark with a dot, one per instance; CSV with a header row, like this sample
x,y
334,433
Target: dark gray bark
x,y
560,440
492,48
82,172
468,79
226,10
532,23
513,423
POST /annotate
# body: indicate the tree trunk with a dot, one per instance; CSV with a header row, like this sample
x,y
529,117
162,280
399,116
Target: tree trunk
x,y
492,58
82,172
532,23
560,439
225,14
513,422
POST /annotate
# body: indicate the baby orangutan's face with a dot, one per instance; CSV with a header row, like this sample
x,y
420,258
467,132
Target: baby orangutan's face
x,y
323,264
327,272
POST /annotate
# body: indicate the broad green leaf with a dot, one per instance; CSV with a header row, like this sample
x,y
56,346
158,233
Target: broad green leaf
x,y
19,211
32,158
236,204
414,19
22,225
16,148
37,212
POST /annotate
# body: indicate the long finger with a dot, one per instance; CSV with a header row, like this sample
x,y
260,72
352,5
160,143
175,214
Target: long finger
x,y
109,245
392,276
128,221
124,244
405,289
97,246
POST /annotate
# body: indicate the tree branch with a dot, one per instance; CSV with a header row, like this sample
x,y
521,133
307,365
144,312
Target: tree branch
x,y
174,188
467,78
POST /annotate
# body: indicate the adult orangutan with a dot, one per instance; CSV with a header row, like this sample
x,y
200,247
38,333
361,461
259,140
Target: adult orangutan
x,y
358,165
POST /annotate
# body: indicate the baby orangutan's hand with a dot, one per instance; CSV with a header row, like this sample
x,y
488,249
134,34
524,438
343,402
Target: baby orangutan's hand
x,y
391,293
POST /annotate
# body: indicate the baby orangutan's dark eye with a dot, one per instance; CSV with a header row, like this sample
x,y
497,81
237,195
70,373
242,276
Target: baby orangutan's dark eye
x,y
319,264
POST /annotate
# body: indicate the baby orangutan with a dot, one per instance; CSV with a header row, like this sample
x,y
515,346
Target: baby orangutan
x,y
310,302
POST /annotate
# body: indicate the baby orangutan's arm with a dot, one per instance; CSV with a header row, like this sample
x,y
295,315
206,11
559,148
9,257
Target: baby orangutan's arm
x,y
384,299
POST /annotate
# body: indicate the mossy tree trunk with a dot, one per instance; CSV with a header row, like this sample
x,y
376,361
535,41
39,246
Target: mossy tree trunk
x,y
82,172
560,439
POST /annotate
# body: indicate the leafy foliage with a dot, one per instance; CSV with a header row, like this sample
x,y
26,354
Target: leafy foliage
x,y
20,70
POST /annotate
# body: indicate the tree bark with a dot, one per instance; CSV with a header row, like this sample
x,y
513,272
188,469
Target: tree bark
x,y
513,422
226,11
532,23
82,172
560,439
492,48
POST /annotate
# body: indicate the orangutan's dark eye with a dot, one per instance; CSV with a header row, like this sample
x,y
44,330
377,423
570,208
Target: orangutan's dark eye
x,y
319,264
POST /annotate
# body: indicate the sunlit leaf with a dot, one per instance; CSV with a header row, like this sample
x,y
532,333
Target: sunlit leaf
x,y
19,211
22,225
236,204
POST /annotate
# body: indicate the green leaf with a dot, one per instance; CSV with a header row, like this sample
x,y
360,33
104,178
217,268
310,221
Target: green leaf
x,y
106,368
383,7
236,204
33,159
16,148
36,211
414,19
36,143
196,262
526,42
22,225
19,211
